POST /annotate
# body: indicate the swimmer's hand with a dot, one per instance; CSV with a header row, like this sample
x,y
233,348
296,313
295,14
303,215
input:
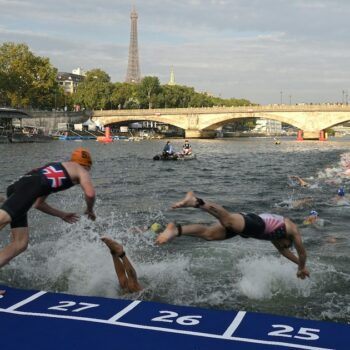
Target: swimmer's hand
x,y
90,214
71,218
2,292
302,273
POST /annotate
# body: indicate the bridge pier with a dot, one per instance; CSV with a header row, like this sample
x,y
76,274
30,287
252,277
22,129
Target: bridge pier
x,y
314,135
200,134
311,135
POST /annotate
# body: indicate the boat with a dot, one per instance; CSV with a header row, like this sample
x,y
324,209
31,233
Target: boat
x,y
165,157
186,156
12,129
21,137
75,138
175,156
57,321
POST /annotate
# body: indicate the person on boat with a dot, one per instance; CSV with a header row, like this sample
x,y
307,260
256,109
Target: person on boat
x,y
33,188
168,150
126,273
280,231
186,148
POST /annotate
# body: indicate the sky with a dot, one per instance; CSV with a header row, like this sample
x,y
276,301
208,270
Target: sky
x,y
266,51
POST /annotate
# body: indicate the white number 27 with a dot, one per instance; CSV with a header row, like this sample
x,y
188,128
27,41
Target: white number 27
x,y
68,306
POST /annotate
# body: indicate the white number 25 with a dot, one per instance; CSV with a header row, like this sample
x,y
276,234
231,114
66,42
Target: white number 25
x,y
303,333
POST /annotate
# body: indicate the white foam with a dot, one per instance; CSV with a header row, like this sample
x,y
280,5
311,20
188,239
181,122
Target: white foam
x,y
264,277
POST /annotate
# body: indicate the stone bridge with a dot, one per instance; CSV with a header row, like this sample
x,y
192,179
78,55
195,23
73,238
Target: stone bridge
x,y
202,122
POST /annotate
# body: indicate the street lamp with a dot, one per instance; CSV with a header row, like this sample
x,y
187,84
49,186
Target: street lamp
x,y
281,93
290,99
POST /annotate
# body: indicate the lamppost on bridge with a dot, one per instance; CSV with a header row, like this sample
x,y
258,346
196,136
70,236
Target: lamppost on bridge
x,y
281,97
342,98
290,99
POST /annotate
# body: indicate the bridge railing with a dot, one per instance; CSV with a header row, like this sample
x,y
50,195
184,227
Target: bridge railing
x,y
223,109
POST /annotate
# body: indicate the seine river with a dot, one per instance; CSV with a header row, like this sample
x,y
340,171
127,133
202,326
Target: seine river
x,y
243,174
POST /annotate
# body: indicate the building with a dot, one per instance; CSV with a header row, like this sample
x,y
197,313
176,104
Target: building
x,y
268,126
70,81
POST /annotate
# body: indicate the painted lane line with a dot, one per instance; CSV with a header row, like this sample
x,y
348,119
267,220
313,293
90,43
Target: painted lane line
x,y
26,301
168,330
124,311
234,325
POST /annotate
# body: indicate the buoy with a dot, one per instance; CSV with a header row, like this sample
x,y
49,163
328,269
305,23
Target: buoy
x,y
322,136
300,135
108,138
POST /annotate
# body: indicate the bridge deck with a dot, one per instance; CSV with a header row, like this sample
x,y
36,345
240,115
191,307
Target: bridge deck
x,y
41,320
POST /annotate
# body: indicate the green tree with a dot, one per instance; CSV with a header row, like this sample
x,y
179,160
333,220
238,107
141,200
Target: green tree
x,y
95,91
26,79
124,96
149,89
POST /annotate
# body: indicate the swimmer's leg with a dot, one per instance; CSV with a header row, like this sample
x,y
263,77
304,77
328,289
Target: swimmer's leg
x,y
125,272
133,284
232,221
209,233
18,244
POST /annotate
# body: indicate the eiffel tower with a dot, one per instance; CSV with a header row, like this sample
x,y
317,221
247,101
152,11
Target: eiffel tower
x,y
133,73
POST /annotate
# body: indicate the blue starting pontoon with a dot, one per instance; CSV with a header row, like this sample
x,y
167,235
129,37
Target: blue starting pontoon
x,y
42,320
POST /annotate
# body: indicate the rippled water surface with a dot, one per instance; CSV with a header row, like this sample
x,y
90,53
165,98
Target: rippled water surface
x,y
133,191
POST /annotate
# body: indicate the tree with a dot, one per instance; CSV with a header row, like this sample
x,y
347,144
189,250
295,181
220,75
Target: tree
x,y
124,95
95,91
148,91
26,79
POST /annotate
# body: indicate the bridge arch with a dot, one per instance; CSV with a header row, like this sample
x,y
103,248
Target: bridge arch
x,y
197,122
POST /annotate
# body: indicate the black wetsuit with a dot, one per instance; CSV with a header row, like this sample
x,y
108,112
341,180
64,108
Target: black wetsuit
x,y
255,227
22,194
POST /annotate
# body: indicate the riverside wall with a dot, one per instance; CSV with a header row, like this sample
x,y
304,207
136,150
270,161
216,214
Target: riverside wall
x,y
48,120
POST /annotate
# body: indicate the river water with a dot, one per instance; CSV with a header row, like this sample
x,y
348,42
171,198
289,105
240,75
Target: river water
x,y
243,174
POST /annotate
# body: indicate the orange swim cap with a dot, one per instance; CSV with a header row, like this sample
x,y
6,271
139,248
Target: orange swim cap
x,y
81,156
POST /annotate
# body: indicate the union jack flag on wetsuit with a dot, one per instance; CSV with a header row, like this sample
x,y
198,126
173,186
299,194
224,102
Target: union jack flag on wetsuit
x,y
55,175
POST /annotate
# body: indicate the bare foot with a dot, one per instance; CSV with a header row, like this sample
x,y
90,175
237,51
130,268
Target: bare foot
x,y
168,234
189,201
114,247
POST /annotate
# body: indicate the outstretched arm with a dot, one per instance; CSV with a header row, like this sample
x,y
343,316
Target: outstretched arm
x,y
287,253
89,192
300,260
41,205
302,270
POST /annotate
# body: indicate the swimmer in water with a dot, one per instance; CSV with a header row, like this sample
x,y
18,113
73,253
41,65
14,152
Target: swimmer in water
x,y
154,228
313,219
299,181
341,198
126,273
297,203
281,232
